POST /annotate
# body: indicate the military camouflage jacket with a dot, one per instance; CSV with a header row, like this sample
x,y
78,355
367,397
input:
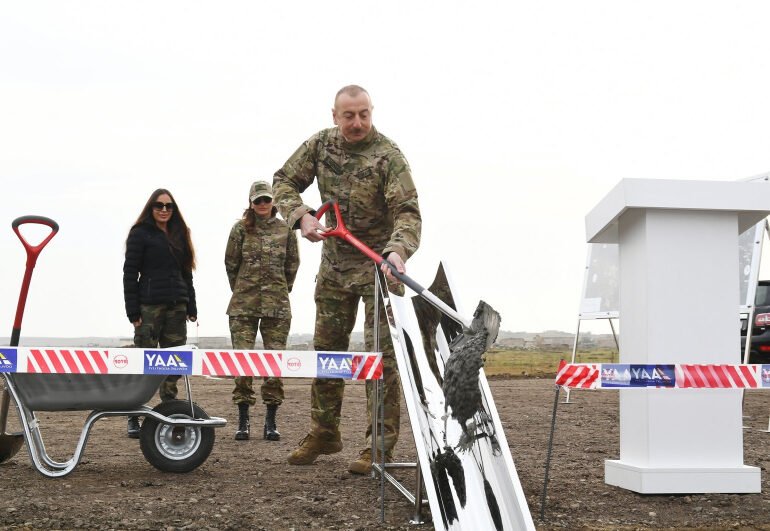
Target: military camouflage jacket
x,y
261,267
372,183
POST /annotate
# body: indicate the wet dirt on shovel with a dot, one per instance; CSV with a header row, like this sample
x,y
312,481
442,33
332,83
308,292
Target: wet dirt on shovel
x,y
249,485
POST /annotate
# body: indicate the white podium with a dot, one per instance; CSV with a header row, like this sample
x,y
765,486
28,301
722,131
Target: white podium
x,y
678,244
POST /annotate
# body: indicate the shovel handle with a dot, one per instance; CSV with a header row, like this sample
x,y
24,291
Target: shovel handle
x,y
33,251
342,232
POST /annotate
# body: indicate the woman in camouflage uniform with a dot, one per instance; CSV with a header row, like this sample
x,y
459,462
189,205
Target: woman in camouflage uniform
x,y
261,260
158,283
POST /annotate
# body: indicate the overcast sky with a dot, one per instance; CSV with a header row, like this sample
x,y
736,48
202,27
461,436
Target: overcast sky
x,y
516,118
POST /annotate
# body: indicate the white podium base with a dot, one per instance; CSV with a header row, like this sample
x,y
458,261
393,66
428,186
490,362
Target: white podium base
x,y
646,480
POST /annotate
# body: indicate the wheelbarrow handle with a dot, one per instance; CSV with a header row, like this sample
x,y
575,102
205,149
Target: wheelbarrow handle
x,y
342,232
33,251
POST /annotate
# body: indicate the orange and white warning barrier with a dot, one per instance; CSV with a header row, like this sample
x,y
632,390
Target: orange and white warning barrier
x,y
183,360
665,376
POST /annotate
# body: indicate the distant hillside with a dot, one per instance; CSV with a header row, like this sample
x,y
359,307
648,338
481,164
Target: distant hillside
x,y
505,339
70,341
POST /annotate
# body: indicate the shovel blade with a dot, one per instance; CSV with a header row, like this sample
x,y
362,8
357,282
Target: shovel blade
x,y
486,319
475,341
10,444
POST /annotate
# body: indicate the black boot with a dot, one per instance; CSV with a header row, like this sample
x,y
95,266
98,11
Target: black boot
x,y
133,427
243,423
271,433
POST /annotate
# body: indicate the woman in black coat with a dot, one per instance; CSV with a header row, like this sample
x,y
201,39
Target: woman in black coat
x,y
158,283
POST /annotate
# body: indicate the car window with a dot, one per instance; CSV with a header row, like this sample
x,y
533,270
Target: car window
x,y
763,295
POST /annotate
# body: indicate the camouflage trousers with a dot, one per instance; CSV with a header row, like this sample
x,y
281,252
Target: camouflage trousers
x,y
336,310
243,332
163,325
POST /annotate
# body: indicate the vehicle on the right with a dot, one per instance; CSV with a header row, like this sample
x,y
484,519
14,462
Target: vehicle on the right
x,y
760,331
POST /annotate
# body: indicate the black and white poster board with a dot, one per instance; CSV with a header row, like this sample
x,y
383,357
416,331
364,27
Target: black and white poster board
x,y
601,290
469,475
600,283
749,258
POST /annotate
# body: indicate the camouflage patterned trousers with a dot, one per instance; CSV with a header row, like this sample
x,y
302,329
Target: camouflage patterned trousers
x,y
243,332
163,325
336,309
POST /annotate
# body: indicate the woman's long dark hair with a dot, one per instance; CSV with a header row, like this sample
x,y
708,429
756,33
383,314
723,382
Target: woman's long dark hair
x,y
178,232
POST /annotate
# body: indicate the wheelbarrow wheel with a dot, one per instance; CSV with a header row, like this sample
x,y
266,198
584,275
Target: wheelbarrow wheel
x,y
176,449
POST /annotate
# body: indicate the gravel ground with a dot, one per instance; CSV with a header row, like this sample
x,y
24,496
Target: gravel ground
x,y
249,485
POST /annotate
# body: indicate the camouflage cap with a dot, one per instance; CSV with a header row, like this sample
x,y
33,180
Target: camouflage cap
x,y
260,189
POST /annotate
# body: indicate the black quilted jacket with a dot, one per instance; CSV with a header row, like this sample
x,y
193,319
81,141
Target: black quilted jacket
x,y
153,272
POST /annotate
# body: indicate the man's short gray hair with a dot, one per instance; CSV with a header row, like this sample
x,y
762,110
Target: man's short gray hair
x,y
352,91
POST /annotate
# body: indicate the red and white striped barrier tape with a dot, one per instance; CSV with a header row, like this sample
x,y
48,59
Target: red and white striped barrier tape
x,y
666,376
181,360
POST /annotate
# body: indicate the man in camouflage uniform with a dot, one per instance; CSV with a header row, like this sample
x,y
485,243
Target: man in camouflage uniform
x,y
366,173
261,260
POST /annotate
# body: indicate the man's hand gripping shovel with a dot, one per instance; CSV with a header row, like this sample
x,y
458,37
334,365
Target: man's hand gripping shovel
x,y
10,443
478,333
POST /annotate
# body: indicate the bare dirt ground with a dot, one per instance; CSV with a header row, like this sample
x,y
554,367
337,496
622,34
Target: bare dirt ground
x,y
249,485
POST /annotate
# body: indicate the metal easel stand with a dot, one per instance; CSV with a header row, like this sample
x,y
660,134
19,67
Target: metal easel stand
x,y
575,346
544,495
378,430
548,455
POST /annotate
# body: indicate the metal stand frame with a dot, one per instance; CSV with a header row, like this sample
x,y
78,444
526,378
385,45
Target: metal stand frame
x,y
575,345
548,456
378,427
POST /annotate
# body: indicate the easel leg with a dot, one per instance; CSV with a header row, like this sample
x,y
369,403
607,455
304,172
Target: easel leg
x,y
417,516
548,457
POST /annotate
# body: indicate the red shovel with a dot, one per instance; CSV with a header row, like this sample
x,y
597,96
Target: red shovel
x,y
10,443
485,319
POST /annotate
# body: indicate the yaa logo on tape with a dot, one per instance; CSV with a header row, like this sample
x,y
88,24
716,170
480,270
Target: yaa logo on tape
x,y
168,362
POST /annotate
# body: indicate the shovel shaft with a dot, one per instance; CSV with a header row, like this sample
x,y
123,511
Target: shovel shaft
x,y
10,444
16,332
342,232
427,295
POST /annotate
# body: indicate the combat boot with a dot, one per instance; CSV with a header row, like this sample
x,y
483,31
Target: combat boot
x,y
133,427
363,465
311,446
271,430
243,423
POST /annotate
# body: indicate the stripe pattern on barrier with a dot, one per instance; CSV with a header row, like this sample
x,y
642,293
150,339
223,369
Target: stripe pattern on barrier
x,y
65,361
582,376
183,360
666,376
366,367
717,376
224,363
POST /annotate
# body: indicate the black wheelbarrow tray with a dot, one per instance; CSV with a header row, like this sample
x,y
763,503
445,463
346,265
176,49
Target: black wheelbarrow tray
x,y
176,435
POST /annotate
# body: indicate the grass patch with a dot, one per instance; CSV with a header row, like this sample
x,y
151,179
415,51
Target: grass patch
x,y
539,363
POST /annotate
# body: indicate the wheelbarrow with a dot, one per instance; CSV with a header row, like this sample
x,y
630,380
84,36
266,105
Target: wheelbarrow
x,y
176,435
